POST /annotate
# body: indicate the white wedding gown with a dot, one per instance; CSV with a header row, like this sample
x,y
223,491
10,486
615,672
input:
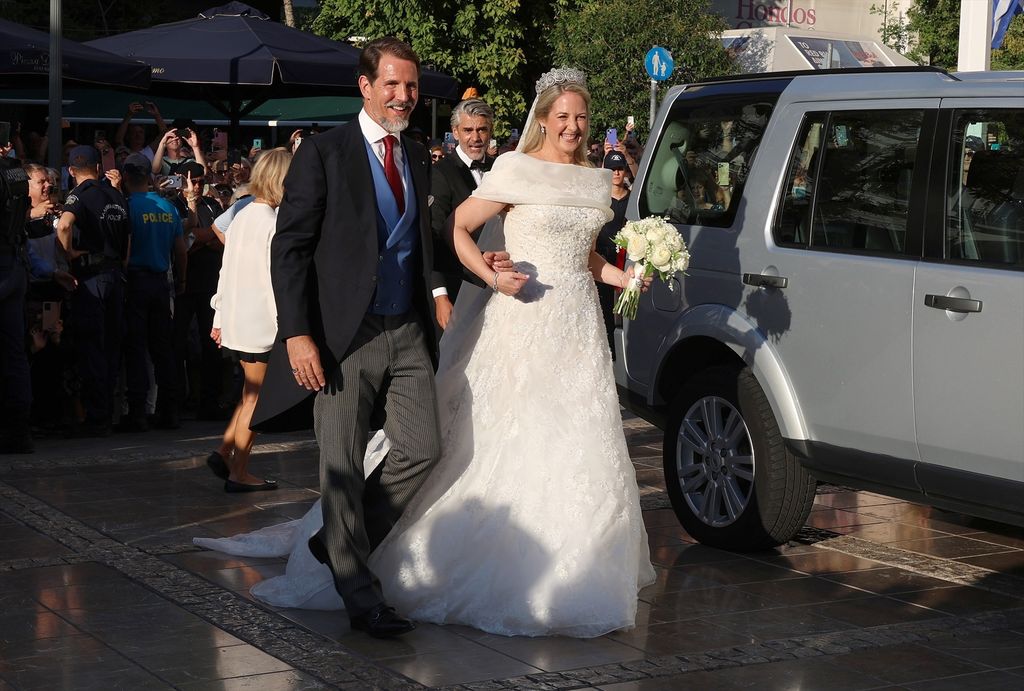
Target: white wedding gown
x,y
531,523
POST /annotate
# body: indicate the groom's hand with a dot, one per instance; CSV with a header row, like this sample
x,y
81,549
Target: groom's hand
x,y
499,261
305,360
443,310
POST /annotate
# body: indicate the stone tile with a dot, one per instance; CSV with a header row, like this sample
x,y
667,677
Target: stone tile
x,y
960,600
205,561
822,561
875,611
887,581
1008,562
703,603
671,556
952,547
979,681
88,677
242,578
1009,537
438,669
32,545
557,654
274,681
999,649
739,572
680,637
890,532
853,500
95,596
333,625
39,578
904,664
29,625
801,591
660,518
211,663
784,622
831,518
809,673
427,638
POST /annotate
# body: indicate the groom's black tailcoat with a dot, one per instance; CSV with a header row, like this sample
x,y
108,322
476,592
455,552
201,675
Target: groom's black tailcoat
x,y
451,184
324,259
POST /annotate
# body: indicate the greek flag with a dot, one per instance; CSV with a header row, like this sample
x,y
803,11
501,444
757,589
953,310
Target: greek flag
x,y
1003,12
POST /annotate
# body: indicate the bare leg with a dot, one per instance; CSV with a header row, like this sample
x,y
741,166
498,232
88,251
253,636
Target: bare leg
x,y
243,436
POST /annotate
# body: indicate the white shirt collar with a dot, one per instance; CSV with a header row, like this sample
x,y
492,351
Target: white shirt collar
x,y
464,156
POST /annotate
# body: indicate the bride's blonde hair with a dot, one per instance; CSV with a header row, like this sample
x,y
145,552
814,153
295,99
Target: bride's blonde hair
x,y
533,138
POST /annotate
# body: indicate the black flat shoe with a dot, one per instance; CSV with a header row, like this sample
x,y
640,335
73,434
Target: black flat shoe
x,y
232,486
218,465
382,622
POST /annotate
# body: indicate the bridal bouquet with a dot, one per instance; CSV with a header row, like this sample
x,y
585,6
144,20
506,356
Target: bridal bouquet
x,y
656,247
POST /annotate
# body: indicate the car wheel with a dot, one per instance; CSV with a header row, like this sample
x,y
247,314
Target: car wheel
x,y
731,480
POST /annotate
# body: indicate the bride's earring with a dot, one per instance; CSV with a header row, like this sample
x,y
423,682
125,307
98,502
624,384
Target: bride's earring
x,y
543,129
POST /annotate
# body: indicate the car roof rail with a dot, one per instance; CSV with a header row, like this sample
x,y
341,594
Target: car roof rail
x,y
789,74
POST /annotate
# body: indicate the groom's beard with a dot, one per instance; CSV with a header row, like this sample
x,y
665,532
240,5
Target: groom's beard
x,y
396,124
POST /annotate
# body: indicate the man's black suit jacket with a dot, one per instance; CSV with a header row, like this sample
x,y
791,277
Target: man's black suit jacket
x,y
324,261
450,185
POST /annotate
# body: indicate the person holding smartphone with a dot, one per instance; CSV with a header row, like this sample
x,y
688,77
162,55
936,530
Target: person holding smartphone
x,y
133,134
170,154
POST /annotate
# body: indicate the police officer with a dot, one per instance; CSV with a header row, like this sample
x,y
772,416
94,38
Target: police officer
x,y
157,239
15,382
95,232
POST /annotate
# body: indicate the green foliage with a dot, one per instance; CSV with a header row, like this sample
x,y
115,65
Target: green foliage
x,y
895,31
608,39
1011,55
494,45
937,26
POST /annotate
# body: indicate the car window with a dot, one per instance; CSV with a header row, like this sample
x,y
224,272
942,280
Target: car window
x,y
985,208
849,181
701,161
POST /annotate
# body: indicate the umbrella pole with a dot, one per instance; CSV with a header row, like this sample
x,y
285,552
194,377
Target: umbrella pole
x,y
53,130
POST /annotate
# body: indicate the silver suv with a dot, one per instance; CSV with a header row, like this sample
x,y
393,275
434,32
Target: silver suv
x,y
854,308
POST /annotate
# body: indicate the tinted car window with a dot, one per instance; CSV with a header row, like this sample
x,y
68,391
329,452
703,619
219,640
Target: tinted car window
x,y
985,209
849,181
701,162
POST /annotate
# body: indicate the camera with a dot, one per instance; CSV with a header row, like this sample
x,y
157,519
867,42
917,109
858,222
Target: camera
x,y
175,182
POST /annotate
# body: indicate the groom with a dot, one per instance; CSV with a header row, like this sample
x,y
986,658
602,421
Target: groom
x,y
351,264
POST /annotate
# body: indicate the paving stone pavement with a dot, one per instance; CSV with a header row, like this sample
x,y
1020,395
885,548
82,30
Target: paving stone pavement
x,y
100,587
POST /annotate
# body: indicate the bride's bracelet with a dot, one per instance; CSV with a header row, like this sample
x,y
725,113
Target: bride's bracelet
x,y
494,283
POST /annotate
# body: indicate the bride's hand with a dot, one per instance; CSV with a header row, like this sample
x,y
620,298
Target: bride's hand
x,y
499,261
509,282
628,276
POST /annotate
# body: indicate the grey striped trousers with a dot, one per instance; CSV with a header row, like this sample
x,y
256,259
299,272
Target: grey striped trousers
x,y
387,370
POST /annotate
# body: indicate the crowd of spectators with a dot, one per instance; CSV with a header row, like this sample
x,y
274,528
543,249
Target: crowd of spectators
x,y
125,241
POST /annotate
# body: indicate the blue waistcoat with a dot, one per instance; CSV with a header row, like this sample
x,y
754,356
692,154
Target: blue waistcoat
x,y
397,240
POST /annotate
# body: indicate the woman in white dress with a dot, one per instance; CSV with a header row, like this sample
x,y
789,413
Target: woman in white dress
x,y
531,523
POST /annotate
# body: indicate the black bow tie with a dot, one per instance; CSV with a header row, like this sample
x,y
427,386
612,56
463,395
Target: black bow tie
x,y
479,165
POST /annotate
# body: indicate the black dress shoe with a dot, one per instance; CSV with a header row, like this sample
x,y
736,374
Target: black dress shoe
x,y
216,463
232,486
382,622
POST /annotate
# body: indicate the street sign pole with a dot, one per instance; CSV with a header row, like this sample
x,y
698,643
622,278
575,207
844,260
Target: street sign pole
x,y
654,103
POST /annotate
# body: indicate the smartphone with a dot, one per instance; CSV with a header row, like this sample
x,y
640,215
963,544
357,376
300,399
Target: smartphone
x,y
5,133
515,134
630,120
220,140
723,174
842,136
612,136
51,315
182,132
257,143
99,136
234,156
493,144
174,182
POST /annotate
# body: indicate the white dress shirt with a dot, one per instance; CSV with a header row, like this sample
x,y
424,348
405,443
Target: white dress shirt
x,y
375,134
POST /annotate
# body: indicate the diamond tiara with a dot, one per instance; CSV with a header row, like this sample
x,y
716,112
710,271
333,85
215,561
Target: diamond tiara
x,y
561,75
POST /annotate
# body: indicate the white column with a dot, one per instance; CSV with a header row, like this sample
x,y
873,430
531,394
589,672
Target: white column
x,y
975,35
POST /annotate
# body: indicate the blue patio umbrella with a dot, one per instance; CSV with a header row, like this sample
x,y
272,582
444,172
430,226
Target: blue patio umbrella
x,y
25,60
235,57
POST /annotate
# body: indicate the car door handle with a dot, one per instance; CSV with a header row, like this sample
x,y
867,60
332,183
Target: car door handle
x,y
764,281
944,302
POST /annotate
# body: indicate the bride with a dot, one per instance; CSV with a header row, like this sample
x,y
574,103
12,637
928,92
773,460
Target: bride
x,y
531,523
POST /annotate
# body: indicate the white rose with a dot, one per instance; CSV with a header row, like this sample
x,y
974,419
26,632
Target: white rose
x,y
661,258
673,241
636,248
655,234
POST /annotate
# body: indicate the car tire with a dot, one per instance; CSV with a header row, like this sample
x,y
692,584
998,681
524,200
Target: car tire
x,y
736,487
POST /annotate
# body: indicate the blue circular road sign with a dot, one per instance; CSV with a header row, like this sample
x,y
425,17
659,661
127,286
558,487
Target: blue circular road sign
x,y
659,64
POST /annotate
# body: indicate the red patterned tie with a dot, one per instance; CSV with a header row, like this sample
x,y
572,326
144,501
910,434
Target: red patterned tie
x,y
391,172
